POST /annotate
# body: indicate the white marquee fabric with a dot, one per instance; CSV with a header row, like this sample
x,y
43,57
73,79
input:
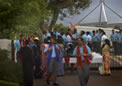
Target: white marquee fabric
x,y
97,58
94,17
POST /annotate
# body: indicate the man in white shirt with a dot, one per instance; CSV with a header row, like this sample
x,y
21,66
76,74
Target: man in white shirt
x,y
69,39
103,38
46,34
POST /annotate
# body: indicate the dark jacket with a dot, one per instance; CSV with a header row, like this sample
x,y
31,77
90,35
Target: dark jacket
x,y
27,62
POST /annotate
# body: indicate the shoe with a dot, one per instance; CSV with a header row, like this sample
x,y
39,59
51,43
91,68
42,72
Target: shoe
x,y
48,82
103,74
108,74
55,84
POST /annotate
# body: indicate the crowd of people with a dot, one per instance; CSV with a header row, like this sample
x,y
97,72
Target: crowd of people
x,y
92,39
44,58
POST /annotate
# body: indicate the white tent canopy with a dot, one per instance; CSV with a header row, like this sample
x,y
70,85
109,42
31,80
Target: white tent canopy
x,y
94,16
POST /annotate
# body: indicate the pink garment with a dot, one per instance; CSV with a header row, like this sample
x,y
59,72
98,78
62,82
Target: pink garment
x,y
44,60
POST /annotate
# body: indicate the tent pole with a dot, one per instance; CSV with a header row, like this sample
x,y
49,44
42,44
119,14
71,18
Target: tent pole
x,y
113,11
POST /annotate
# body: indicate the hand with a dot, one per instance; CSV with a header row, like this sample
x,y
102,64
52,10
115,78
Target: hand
x,y
56,48
78,55
34,67
84,54
50,49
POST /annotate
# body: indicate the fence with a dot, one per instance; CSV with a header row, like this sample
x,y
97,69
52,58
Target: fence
x,y
115,52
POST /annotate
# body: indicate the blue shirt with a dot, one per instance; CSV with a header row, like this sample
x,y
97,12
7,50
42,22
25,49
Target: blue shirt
x,y
84,38
17,45
78,33
94,38
98,36
90,33
45,36
114,37
32,45
88,38
64,38
81,50
57,34
120,37
53,51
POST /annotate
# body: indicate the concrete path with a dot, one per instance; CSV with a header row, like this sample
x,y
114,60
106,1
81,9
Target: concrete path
x,y
71,79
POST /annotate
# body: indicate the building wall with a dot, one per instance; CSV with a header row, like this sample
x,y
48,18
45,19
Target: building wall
x,y
6,44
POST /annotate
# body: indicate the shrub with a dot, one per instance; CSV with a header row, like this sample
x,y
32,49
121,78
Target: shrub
x,y
116,27
9,70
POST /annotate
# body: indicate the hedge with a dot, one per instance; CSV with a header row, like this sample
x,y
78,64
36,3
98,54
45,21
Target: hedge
x,y
9,70
6,83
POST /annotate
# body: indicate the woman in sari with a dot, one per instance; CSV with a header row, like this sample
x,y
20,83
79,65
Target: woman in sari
x,y
44,57
105,68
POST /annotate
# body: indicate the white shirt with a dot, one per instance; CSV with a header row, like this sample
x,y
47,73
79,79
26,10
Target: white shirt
x,y
69,39
74,36
45,36
103,38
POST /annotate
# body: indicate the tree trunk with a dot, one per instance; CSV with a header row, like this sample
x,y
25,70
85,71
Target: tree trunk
x,y
54,19
41,29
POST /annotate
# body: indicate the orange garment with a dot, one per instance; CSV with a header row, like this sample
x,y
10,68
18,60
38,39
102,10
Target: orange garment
x,y
73,26
51,78
79,59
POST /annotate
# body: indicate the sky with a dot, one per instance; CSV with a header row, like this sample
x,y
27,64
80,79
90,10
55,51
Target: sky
x,y
116,5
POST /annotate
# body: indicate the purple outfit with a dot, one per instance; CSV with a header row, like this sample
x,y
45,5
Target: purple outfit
x,y
61,65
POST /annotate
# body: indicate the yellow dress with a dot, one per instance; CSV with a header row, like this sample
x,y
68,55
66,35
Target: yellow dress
x,y
105,68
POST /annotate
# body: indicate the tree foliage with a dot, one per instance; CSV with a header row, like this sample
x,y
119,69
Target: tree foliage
x,y
116,27
61,28
64,7
22,16
28,16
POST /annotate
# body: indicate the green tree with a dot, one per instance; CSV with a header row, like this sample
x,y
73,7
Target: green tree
x,y
28,16
116,27
22,16
61,28
58,6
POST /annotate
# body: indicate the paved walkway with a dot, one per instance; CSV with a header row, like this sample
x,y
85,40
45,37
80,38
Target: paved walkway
x,y
71,79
